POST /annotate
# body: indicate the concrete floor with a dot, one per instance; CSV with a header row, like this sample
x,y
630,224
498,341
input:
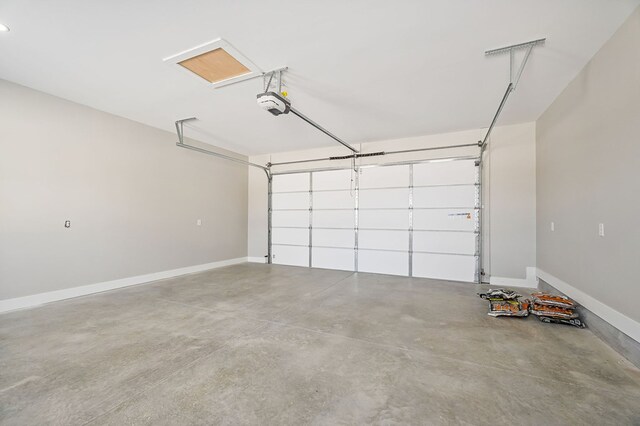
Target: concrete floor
x,y
259,344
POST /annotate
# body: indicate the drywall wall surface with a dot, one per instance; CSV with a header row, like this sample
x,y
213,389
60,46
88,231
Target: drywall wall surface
x,y
509,168
132,196
512,201
588,156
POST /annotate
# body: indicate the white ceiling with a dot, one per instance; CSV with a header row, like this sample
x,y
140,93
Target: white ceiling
x,y
365,69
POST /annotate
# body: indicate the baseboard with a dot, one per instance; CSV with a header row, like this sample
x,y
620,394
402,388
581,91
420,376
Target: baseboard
x,y
531,281
620,321
257,259
619,341
68,293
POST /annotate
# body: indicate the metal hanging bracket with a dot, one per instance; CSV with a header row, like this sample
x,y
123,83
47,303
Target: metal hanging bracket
x,y
180,128
514,76
262,74
181,144
268,77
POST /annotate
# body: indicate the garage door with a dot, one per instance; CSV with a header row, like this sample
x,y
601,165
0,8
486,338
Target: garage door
x,y
383,220
290,219
446,220
410,219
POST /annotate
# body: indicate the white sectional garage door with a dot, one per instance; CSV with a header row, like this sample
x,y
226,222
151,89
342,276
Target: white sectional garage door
x,y
383,234
290,219
446,220
411,219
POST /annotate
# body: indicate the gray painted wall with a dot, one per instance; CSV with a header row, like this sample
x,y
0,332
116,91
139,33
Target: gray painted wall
x,y
132,196
588,172
510,163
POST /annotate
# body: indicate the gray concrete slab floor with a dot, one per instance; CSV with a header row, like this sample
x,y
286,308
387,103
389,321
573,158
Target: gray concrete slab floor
x,y
261,344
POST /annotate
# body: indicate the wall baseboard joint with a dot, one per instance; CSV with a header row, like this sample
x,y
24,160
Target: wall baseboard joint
x,y
620,321
531,281
68,293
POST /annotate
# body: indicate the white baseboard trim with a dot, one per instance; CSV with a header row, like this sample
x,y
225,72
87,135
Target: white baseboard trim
x,y
531,281
620,321
257,259
68,293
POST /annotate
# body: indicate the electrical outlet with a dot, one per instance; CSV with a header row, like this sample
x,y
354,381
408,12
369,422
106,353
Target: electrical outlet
x,y
553,226
67,224
601,229
199,222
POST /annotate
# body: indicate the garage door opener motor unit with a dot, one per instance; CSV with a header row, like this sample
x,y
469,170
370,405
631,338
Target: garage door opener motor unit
x,y
274,103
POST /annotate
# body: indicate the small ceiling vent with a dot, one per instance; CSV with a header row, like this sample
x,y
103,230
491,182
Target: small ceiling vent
x,y
217,63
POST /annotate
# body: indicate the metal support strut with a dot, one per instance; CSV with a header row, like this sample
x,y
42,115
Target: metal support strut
x,y
322,129
278,82
268,77
514,76
181,144
375,154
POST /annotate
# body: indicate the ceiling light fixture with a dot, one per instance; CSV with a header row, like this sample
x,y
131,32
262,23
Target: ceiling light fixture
x,y
4,28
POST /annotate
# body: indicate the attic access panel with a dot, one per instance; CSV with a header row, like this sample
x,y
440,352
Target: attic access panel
x,y
216,63
215,66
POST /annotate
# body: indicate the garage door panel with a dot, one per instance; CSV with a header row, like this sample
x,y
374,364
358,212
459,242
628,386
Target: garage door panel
x,y
333,219
384,177
290,236
445,219
383,219
290,218
333,258
292,182
290,200
289,255
384,198
333,200
445,242
334,179
383,239
445,196
447,267
452,172
383,262
334,238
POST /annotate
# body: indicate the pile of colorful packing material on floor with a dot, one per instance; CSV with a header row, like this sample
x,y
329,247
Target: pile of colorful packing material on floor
x,y
547,307
557,309
506,303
